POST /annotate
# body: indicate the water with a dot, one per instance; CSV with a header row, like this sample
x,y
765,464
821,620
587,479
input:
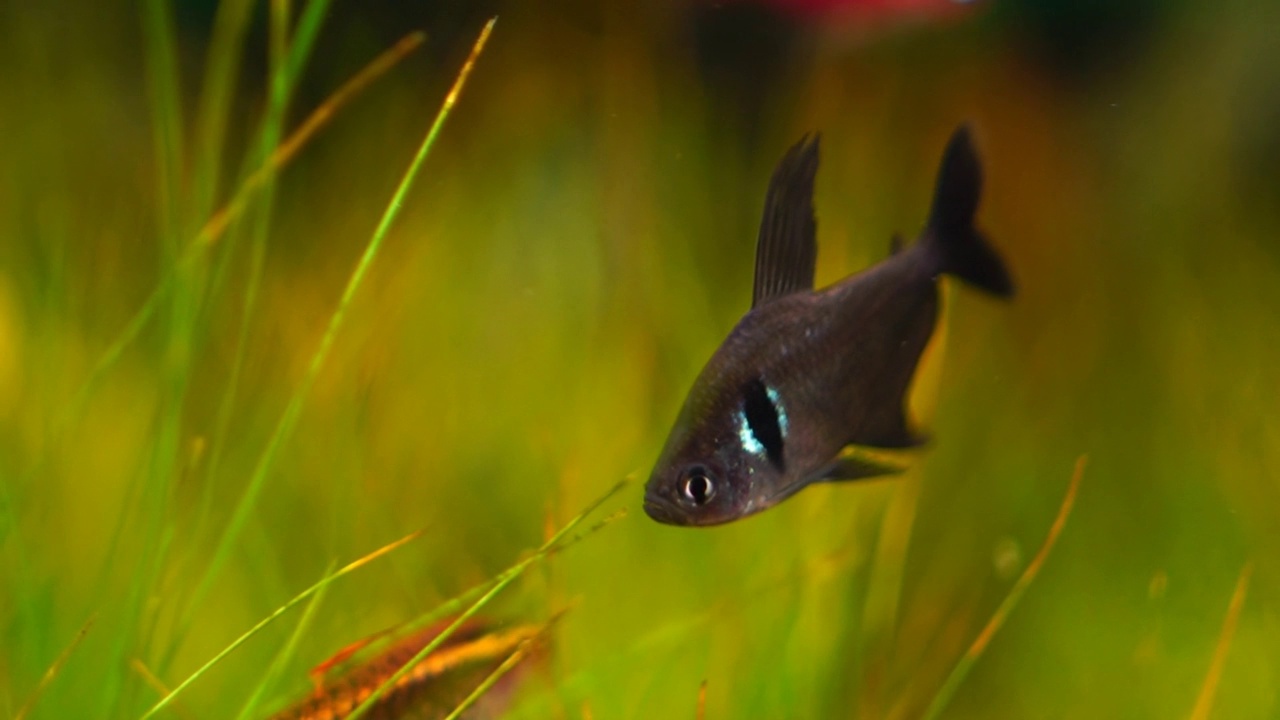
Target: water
x,y
579,241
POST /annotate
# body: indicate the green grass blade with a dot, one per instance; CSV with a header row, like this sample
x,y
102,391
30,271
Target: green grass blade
x,y
323,583
53,670
285,654
166,113
884,582
962,668
166,117
286,62
507,665
284,427
304,38
260,225
278,46
230,26
494,587
261,181
218,223
469,595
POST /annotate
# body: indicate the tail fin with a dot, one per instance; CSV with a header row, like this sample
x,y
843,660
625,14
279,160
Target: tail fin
x,y
950,235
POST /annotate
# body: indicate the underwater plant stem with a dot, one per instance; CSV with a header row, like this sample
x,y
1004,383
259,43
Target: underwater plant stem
x,y
285,654
164,93
230,27
1209,689
216,226
495,586
317,587
281,79
53,670
284,427
218,223
962,668
493,677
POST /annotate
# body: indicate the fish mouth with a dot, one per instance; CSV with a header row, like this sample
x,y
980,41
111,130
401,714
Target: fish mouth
x,y
669,513
662,511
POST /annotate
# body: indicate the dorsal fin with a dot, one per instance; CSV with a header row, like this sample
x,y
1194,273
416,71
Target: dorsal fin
x,y
787,247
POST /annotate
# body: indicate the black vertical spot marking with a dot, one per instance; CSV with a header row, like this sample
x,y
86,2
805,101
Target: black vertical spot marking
x,y
762,418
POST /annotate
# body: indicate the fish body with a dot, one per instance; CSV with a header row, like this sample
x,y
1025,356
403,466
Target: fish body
x,y
807,373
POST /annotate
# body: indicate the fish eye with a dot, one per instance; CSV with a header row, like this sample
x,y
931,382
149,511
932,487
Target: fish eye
x,y
698,487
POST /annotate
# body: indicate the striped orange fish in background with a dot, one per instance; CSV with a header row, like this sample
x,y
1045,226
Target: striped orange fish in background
x,y
433,687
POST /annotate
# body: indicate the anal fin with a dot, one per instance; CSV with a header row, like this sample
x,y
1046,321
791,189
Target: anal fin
x,y
854,467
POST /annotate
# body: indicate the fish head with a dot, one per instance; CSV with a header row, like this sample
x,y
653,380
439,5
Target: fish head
x,y
713,469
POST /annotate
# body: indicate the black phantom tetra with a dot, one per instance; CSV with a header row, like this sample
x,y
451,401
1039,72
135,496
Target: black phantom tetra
x,y
808,372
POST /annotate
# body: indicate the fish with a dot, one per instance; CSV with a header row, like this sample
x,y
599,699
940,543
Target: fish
x,y
808,376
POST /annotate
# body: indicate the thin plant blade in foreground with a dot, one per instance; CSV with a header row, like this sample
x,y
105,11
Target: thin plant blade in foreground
x,y
323,583
962,668
1204,703
218,223
289,418
434,685
53,671
517,656
283,656
495,586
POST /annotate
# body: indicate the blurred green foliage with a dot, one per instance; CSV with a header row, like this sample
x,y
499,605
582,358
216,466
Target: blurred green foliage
x,y
579,243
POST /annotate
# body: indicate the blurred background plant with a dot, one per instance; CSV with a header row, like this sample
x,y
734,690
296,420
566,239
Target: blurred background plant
x,y
579,241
